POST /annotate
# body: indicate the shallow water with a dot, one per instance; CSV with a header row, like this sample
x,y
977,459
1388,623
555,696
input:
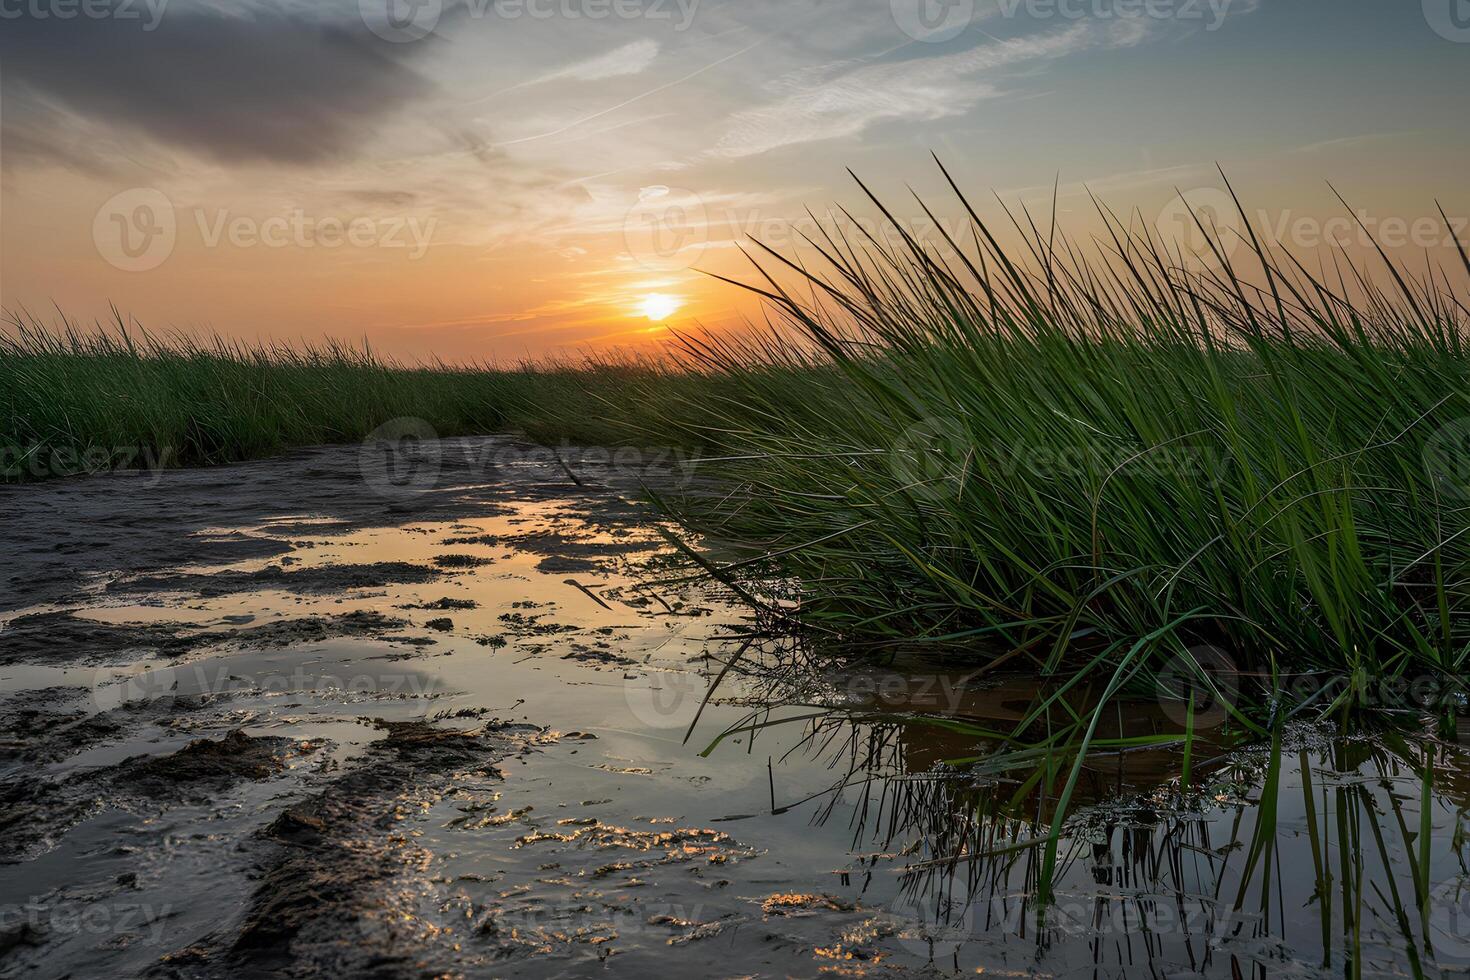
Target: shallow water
x,y
462,707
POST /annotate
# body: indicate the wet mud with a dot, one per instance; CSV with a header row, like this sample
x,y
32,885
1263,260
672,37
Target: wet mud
x,y
326,716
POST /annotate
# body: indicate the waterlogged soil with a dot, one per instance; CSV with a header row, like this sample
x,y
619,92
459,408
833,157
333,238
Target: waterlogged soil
x,y
450,714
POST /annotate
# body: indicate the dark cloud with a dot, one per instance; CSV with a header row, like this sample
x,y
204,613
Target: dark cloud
x,y
270,87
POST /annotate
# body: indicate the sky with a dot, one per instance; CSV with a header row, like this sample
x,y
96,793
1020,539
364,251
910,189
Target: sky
x,y
498,179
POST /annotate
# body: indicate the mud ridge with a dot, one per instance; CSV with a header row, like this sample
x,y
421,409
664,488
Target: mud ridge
x,y
335,897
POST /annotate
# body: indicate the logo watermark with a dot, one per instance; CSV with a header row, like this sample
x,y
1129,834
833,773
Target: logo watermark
x,y
39,460
1180,220
667,228
404,21
405,456
1446,458
401,21
932,21
99,920
1450,19
929,457
401,457
150,684
1448,934
1211,14
665,698
1204,676
137,230
148,12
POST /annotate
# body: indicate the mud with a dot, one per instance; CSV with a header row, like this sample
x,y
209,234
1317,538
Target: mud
x,y
37,812
204,767
334,578
293,718
64,637
336,882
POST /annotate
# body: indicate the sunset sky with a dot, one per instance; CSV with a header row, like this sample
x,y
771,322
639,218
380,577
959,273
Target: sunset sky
x,y
500,178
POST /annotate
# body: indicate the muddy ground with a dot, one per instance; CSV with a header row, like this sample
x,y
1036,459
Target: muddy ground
x,y
322,715
441,712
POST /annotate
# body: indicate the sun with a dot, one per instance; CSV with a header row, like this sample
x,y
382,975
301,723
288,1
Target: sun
x,y
660,306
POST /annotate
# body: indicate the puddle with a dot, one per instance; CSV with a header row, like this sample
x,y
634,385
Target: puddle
x,y
263,719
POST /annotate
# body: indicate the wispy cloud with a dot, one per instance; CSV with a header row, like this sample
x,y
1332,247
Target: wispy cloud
x,y
1344,142
844,99
630,59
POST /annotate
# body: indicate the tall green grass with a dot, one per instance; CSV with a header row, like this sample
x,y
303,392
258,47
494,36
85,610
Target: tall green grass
x,y
1104,459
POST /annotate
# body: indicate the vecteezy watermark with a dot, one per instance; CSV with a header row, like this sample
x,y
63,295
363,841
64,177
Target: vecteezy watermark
x,y
1430,693
1087,460
671,228
97,920
929,459
539,926
1200,221
1204,676
932,21
932,694
1211,678
40,460
948,921
111,689
405,456
148,12
665,698
934,927
667,228
1365,229
1450,19
1181,219
298,229
1210,13
401,21
1446,457
401,457
144,685
1449,923
679,13
138,229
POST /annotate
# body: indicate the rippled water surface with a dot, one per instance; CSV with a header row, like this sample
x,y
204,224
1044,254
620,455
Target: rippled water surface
x,y
277,719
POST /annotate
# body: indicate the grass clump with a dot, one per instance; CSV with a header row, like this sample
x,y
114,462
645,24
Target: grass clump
x,y
1127,462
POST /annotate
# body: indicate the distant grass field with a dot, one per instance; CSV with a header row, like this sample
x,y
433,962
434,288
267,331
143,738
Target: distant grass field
x,y
78,400
1125,461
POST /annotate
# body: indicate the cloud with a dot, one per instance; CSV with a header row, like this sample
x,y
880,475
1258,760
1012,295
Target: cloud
x,y
630,59
267,87
844,99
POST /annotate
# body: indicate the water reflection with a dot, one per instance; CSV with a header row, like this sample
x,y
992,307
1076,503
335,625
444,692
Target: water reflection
x,y
1314,851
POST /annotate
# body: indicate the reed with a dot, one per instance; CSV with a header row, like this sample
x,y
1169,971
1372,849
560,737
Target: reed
x,y
1129,461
